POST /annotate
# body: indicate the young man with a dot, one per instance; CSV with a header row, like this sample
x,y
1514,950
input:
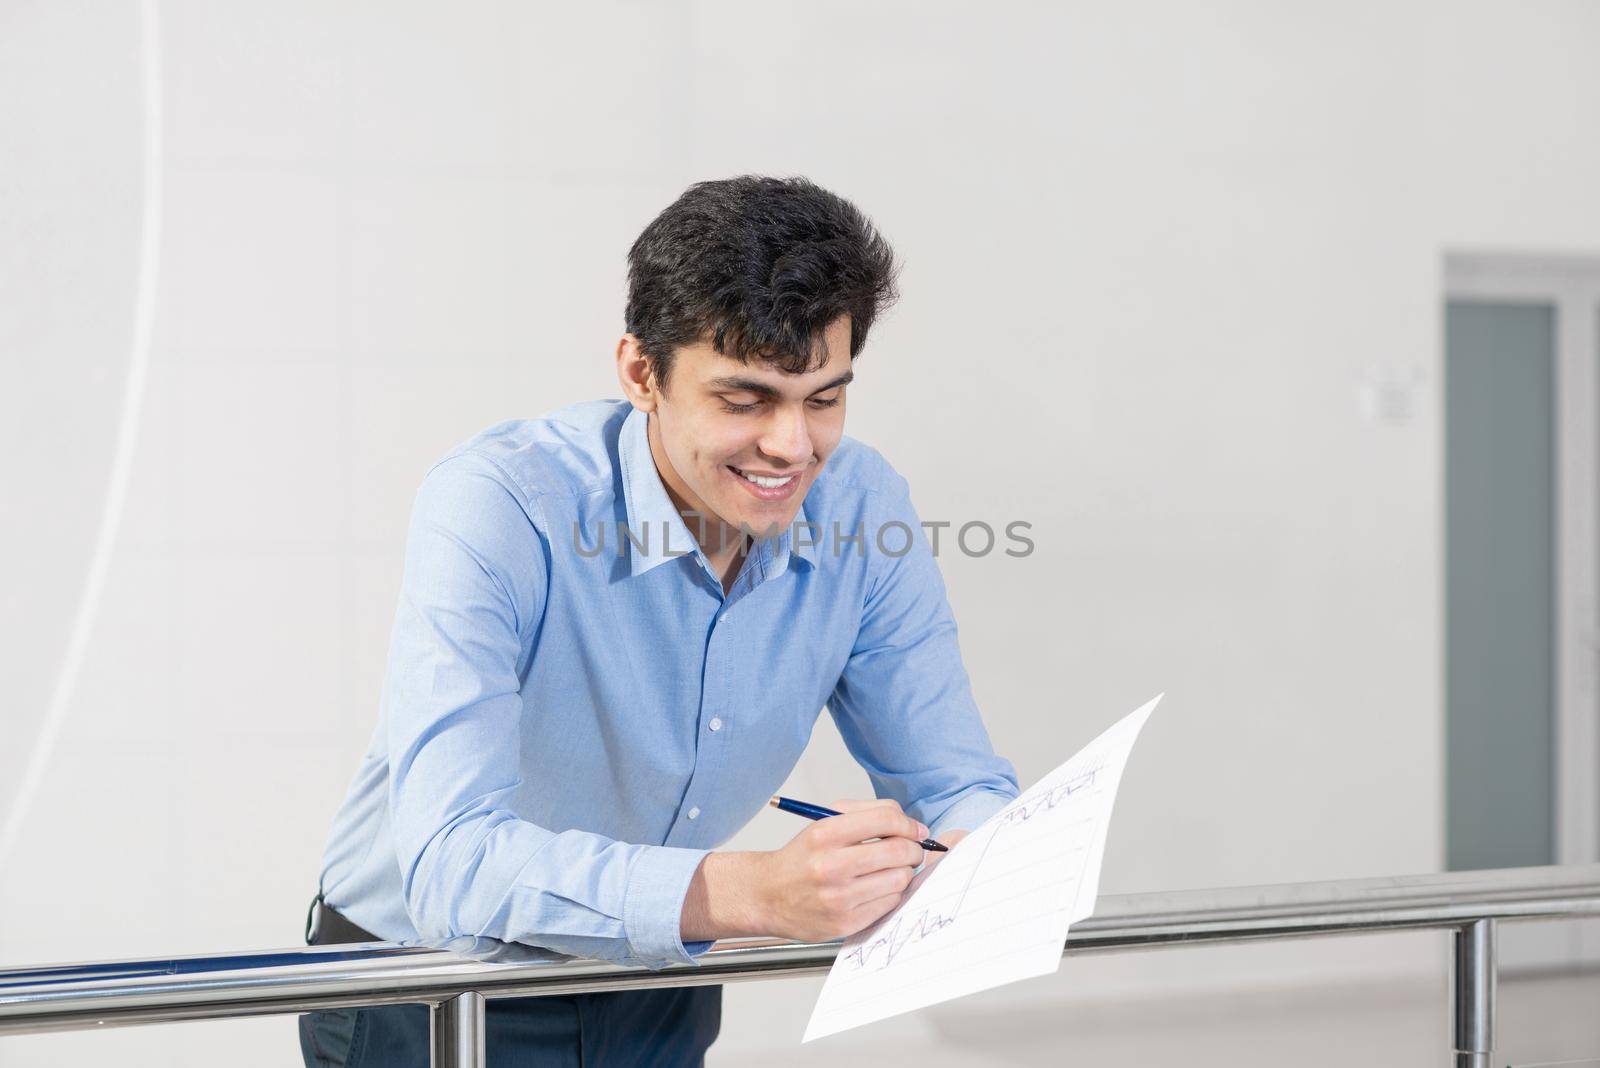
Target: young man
x,y
597,676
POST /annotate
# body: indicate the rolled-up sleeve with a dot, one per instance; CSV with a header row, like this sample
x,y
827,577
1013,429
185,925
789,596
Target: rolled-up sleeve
x,y
903,702
474,587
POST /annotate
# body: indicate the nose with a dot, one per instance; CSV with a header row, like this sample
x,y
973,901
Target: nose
x,y
786,438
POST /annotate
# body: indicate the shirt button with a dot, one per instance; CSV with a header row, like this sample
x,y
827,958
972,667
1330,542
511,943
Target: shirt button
x,y
716,723
694,813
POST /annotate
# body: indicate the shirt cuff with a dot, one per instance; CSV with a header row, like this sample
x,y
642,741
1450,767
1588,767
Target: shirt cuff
x,y
653,907
969,812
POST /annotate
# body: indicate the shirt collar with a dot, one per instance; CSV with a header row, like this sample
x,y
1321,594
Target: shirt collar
x,y
651,513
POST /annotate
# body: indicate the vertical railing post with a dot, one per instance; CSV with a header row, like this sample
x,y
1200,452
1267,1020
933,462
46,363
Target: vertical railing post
x,y
456,1031
1473,994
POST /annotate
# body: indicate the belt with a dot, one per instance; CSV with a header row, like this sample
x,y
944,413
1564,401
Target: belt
x,y
326,927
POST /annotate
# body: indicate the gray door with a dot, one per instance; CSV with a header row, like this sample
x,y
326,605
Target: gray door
x,y
1500,575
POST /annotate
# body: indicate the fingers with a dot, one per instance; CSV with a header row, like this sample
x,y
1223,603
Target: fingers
x,y
870,912
848,805
873,821
921,876
889,882
885,853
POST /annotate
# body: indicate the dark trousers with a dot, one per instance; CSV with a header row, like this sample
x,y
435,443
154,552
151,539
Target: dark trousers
x,y
671,1027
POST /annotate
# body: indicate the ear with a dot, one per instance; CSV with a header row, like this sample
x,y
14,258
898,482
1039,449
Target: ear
x,y
635,375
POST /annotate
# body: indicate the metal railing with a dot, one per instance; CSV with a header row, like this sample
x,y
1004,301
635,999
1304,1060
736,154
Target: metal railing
x,y
456,981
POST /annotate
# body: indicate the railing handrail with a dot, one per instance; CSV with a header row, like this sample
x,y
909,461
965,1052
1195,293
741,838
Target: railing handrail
x,y
73,996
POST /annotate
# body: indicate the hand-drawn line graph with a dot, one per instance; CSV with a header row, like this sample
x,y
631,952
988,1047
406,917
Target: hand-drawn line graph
x,y
910,929
998,907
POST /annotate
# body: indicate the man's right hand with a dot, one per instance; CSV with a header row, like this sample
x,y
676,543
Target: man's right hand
x,y
830,881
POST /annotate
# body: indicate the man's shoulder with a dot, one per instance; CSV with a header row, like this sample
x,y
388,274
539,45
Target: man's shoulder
x,y
565,453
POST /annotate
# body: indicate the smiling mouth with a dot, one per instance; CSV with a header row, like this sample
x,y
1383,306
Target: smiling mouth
x,y
769,489
764,481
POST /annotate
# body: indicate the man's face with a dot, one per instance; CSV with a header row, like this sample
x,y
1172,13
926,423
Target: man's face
x,y
724,424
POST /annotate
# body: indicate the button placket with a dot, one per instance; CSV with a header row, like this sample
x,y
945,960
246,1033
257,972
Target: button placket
x,y
708,759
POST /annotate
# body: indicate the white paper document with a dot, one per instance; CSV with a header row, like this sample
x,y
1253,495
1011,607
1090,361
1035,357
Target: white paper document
x,y
997,907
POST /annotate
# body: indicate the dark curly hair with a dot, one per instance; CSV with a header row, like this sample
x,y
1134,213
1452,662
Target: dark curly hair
x,y
759,266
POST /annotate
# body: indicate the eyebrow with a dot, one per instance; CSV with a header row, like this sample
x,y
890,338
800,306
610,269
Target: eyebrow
x,y
751,385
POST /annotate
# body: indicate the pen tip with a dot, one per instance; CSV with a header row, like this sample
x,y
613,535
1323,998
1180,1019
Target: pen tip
x,y
773,801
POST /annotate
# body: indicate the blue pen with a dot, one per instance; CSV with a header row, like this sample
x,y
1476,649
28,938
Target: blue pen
x,y
817,812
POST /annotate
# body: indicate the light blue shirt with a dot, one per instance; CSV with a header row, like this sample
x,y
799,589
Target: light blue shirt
x,y
568,724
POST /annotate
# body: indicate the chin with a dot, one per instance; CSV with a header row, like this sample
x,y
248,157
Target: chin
x,y
759,518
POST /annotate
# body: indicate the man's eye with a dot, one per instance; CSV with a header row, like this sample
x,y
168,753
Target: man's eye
x,y
738,408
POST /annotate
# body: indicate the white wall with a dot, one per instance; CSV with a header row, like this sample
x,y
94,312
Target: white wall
x,y
1153,254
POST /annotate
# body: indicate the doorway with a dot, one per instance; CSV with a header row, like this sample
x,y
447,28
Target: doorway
x,y
1522,579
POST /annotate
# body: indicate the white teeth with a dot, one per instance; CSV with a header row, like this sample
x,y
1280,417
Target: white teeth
x,y
767,483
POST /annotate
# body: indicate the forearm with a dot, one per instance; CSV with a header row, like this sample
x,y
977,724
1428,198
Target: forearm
x,y
727,898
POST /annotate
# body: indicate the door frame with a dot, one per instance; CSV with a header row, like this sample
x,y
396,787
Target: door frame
x,y
1571,284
